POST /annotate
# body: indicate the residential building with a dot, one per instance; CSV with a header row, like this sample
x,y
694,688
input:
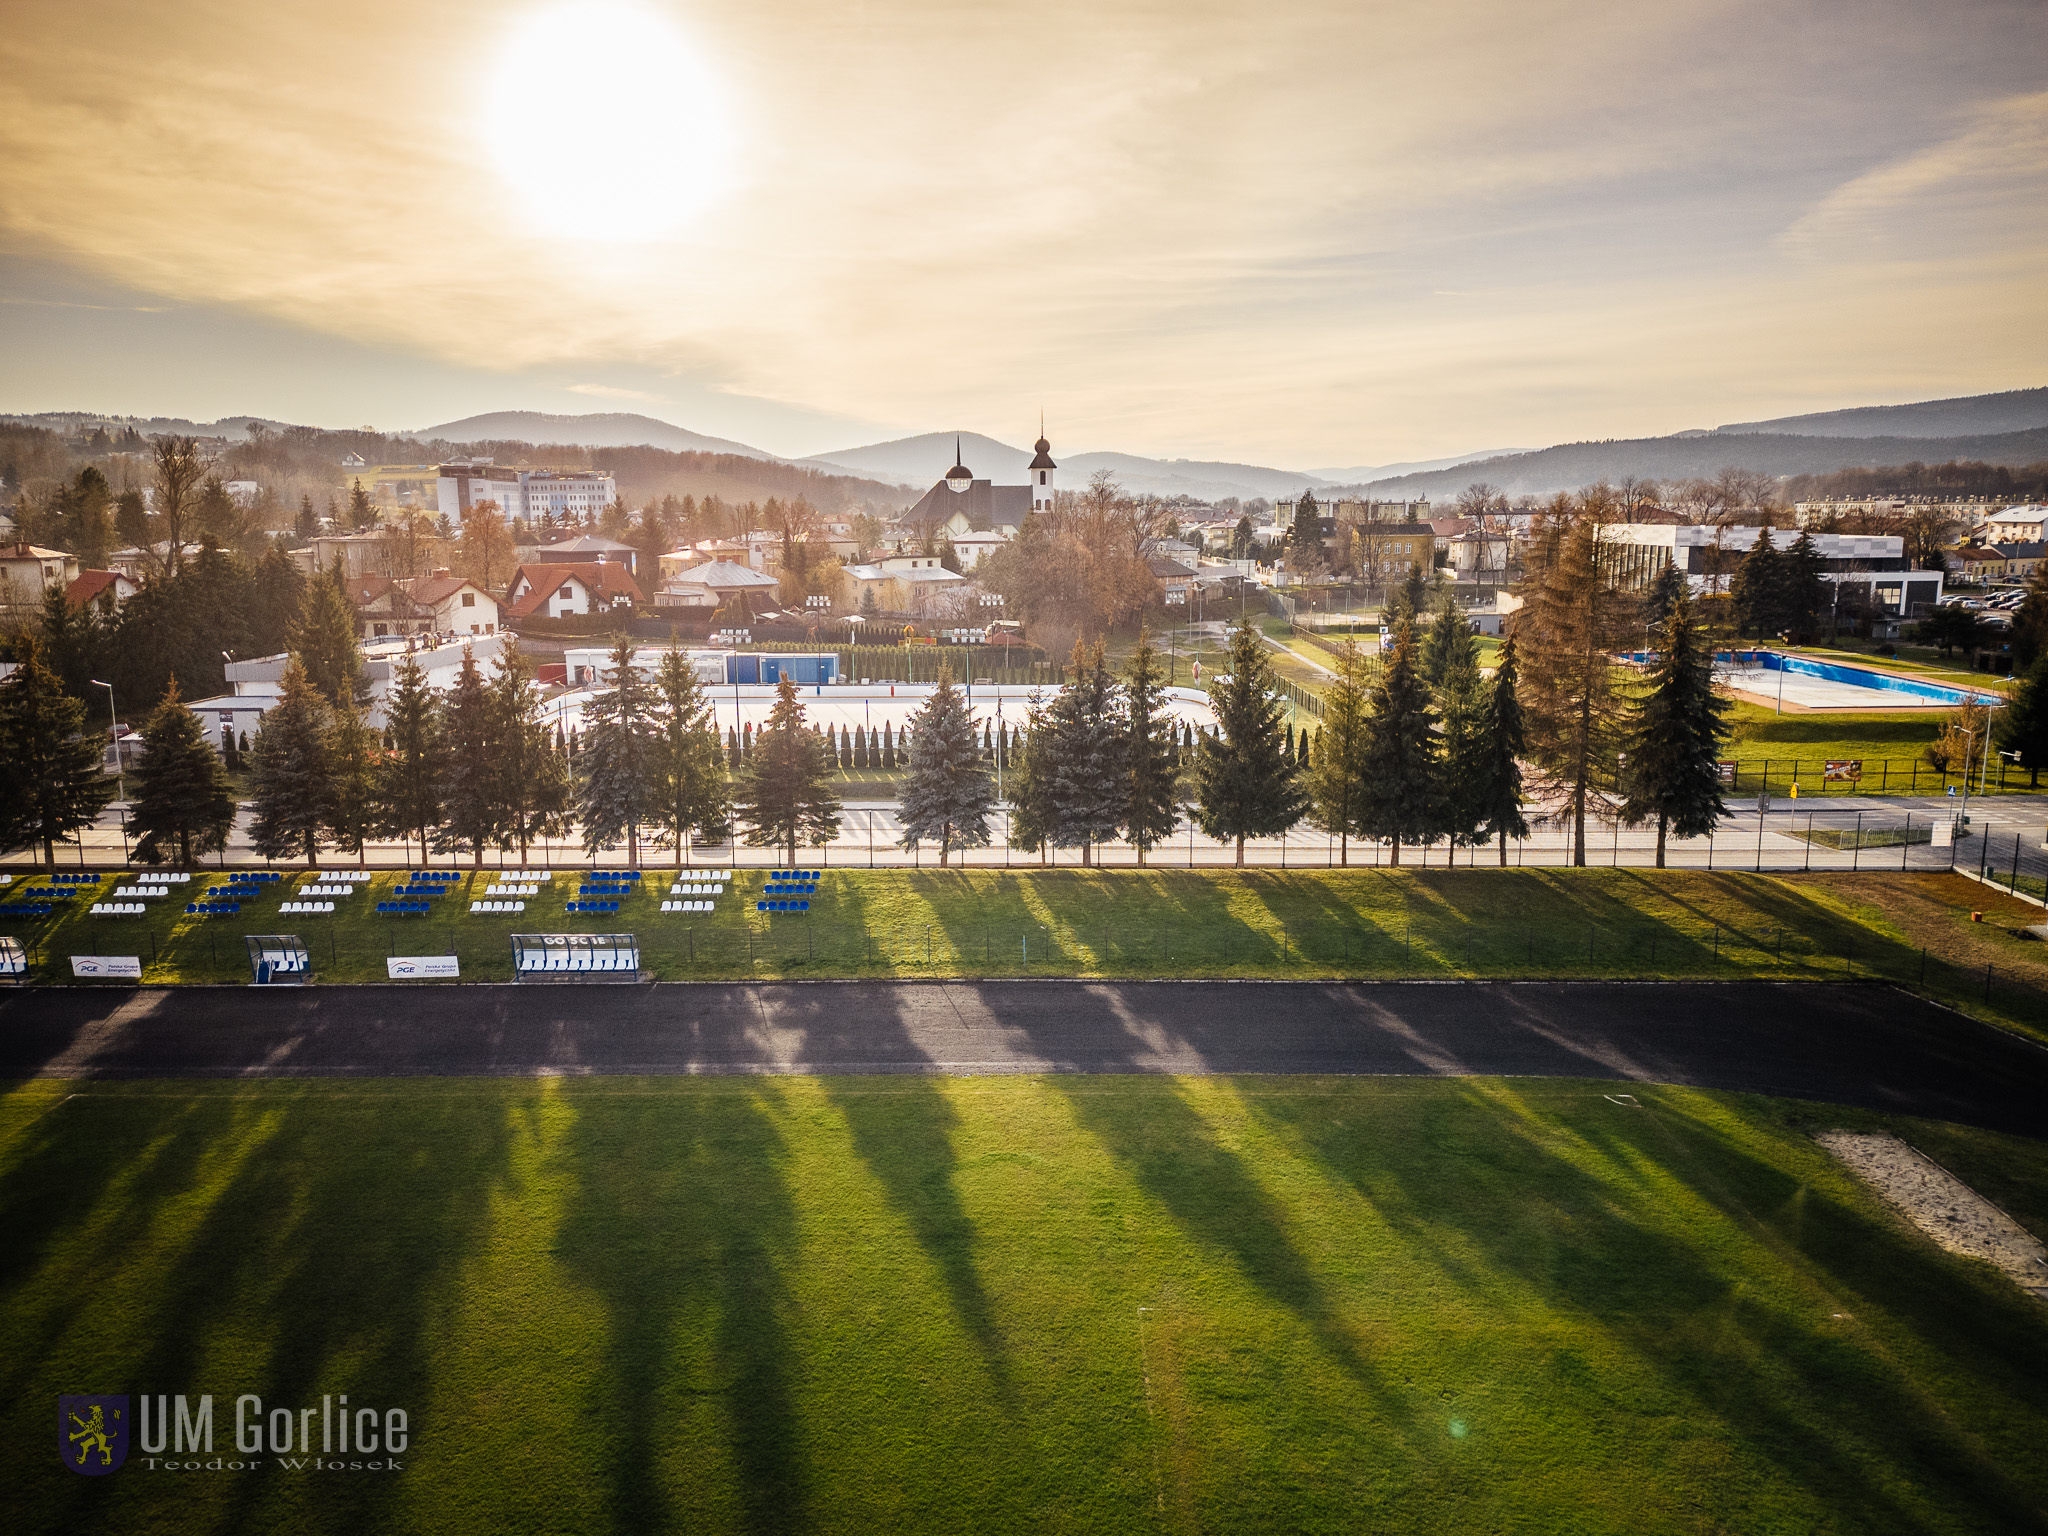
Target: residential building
x,y
93,586
384,608
562,591
2015,525
458,605
522,493
585,549
1386,552
1176,581
27,570
899,584
715,584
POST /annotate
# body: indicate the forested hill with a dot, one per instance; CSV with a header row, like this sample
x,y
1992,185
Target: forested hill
x,y
1571,465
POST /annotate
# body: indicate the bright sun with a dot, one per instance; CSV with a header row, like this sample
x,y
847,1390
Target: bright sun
x,y
607,121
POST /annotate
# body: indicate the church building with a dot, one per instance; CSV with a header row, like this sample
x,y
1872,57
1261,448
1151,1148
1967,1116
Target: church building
x,y
960,505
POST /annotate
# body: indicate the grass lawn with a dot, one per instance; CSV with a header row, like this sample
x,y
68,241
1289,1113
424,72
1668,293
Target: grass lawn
x,y
1889,746
987,1304
1595,923
1556,923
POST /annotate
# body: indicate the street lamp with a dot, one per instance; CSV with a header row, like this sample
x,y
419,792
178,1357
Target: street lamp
x,y
113,737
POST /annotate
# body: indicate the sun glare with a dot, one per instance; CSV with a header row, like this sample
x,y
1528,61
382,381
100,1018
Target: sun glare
x,y
606,120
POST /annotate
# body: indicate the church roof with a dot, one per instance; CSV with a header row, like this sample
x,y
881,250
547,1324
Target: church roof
x,y
985,506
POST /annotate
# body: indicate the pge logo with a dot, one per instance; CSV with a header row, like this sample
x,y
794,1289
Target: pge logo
x,y
92,1433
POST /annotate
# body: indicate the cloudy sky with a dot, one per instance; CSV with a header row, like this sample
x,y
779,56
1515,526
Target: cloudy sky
x,y
1305,234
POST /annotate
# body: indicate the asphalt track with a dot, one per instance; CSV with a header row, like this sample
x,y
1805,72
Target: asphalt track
x,y
1864,1045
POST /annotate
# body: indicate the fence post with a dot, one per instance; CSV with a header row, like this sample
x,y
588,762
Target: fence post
x,y
1905,842
1987,983
1856,853
2015,862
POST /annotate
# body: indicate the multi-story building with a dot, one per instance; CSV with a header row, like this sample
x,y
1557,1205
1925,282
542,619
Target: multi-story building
x,y
523,493
1636,553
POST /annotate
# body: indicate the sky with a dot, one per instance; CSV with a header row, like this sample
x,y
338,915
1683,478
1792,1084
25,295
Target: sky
x,y
1300,234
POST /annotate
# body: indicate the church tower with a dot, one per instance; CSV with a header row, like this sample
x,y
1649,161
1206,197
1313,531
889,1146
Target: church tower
x,y
1042,468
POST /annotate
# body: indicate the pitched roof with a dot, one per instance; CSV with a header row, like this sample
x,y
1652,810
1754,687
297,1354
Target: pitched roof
x,y
1167,569
31,552
90,584
984,506
606,582
433,590
725,574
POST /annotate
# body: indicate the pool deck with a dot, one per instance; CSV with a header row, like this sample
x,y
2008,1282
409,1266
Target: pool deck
x,y
1805,694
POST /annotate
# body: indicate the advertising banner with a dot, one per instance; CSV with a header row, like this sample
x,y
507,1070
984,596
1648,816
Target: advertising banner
x,y
421,967
120,967
1842,769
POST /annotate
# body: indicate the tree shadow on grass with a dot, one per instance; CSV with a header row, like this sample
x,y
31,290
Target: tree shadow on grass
x,y
683,1223
333,1225
1497,1205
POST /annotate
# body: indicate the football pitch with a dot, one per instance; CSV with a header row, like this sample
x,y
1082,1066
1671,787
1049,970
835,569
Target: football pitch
x,y
1012,1304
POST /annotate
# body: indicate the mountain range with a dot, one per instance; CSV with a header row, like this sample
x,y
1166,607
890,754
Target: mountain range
x,y
2008,428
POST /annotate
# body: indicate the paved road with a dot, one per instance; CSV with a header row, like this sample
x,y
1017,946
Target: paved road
x,y
1863,1045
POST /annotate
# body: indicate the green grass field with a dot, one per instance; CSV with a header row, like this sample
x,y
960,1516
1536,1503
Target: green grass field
x,y
1123,923
1066,1304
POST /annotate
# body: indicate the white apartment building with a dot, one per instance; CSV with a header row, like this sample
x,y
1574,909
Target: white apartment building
x,y
527,493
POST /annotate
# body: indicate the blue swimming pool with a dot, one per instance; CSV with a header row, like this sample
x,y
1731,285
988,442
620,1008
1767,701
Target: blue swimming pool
x,y
1856,677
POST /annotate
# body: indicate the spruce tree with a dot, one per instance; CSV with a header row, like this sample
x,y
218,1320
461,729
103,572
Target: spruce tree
x,y
533,782
1673,775
1402,798
325,639
1490,780
472,813
1334,783
184,804
1029,784
1664,591
1150,753
52,784
409,780
1803,591
617,793
290,782
1757,594
1305,537
948,795
2029,622
860,746
691,788
2023,724
1090,779
355,751
845,749
1573,621
786,785
1448,647
1244,785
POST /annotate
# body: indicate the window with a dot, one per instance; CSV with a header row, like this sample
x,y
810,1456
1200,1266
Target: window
x,y
469,599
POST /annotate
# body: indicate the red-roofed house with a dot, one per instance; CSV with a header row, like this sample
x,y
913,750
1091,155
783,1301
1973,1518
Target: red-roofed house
x,y
560,591
94,586
459,605
384,608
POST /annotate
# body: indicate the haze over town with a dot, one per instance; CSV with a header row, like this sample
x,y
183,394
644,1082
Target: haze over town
x,y
1326,238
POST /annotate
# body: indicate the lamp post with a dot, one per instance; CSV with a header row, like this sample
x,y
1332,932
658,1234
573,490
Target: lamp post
x,y
113,738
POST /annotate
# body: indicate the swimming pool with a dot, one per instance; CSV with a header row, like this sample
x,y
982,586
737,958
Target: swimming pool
x,y
1733,665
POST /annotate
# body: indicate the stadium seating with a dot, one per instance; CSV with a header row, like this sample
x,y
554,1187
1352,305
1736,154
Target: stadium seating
x,y
593,906
118,909
25,909
212,908
488,907
782,906
305,908
405,908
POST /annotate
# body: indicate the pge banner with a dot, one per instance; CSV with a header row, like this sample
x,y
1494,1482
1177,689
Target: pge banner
x,y
421,967
122,967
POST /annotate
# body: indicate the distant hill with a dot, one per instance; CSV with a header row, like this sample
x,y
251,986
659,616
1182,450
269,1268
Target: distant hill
x,y
599,429
1359,474
919,461
2015,410
1571,465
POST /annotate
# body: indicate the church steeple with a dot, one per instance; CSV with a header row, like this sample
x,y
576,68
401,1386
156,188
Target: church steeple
x,y
1042,469
959,477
